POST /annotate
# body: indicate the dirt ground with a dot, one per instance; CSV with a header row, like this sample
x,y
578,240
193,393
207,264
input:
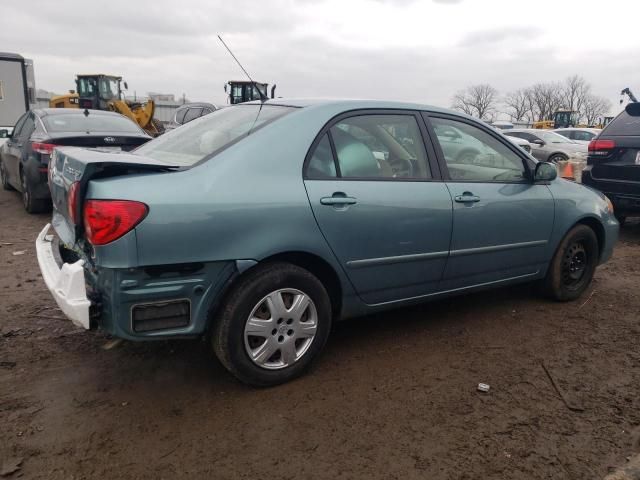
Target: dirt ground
x,y
393,395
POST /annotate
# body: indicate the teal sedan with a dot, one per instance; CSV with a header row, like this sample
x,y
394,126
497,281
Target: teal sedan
x,y
261,224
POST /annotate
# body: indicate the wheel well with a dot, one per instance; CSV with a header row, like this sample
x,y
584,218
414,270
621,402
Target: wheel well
x,y
597,227
318,267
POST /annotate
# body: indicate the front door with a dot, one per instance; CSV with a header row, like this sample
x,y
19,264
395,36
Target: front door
x,y
370,185
13,152
502,221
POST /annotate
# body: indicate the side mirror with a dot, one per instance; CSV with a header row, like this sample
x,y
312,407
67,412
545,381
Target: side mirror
x,y
633,109
126,87
537,141
545,172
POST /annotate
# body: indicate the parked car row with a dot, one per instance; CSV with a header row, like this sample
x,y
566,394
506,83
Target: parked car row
x,y
262,223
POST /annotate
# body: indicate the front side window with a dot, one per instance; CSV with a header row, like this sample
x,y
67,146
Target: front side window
x,y
473,155
205,136
109,88
86,87
380,146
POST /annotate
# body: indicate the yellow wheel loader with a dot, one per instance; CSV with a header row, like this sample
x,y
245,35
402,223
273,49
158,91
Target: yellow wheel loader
x,y
103,92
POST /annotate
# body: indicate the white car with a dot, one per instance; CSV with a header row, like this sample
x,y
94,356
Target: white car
x,y
581,135
4,134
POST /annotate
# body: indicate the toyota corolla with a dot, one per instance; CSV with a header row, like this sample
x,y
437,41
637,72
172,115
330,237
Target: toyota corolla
x,y
261,224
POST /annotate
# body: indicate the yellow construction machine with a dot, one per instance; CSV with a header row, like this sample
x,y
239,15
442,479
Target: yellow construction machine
x,y
104,92
561,119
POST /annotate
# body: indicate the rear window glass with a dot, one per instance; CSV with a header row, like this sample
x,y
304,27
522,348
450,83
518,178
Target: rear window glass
x,y
623,124
210,134
91,123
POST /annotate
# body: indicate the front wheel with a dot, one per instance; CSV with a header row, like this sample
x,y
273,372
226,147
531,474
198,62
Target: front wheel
x,y
573,265
272,325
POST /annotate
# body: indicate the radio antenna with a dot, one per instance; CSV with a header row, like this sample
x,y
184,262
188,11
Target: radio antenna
x,y
263,95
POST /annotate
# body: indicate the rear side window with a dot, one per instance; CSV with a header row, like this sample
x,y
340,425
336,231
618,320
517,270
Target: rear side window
x,y
72,122
623,125
192,114
384,146
180,115
208,135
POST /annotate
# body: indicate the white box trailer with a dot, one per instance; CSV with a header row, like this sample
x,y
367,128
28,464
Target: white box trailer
x,y
17,87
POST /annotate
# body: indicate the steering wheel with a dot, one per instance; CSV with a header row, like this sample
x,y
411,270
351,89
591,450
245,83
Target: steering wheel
x,y
401,167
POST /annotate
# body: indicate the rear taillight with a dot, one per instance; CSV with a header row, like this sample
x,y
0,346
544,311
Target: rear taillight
x,y
44,148
72,202
108,220
601,147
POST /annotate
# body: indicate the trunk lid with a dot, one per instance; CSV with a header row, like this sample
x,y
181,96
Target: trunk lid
x,y
620,163
70,171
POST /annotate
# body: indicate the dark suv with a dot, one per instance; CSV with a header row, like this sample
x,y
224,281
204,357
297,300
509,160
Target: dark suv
x,y
613,164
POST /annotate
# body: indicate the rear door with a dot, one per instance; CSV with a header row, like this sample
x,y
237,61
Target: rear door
x,y
376,194
502,221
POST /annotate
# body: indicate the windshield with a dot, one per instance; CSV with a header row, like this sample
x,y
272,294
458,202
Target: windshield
x,y
210,134
550,137
72,122
109,88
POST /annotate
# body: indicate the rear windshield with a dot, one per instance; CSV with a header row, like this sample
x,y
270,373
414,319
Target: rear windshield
x,y
205,136
623,125
70,122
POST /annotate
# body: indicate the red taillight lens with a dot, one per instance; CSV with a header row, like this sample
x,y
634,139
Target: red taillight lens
x,y
108,220
44,148
72,202
601,147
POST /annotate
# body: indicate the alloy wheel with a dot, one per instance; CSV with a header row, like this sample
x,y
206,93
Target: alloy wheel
x,y
280,328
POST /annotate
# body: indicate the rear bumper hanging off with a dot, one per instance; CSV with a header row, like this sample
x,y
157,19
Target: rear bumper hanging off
x,y
65,283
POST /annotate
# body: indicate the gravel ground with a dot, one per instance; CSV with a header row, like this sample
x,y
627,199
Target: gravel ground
x,y
393,395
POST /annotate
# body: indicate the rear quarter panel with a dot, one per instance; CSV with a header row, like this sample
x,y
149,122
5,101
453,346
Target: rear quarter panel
x,y
248,202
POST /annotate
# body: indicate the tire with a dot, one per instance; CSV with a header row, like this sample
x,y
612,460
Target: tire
x,y
573,265
4,179
32,205
281,347
558,157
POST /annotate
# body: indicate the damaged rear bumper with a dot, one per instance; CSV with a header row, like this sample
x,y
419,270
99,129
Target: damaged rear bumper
x,y
66,283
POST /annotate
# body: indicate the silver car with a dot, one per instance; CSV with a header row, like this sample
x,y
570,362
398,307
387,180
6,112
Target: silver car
x,y
580,135
548,146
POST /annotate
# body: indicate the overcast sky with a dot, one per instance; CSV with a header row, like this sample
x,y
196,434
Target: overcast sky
x,y
421,50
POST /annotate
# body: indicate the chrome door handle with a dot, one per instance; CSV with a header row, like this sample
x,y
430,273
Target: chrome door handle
x,y
466,198
338,200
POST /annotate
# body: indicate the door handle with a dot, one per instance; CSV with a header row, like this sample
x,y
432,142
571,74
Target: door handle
x,y
338,198
467,197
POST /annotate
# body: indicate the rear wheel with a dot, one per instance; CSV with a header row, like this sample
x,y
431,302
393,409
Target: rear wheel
x,y
558,157
31,204
573,265
272,325
4,178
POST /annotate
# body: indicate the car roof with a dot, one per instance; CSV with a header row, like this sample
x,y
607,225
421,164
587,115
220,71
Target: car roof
x,y
580,129
197,105
353,104
43,112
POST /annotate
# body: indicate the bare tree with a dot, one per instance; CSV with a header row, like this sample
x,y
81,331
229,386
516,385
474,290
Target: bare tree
x,y
477,100
545,99
519,107
595,107
574,93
